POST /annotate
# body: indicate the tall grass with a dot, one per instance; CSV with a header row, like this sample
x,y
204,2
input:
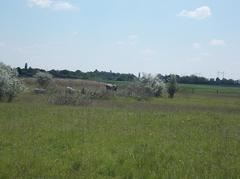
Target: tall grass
x,y
193,137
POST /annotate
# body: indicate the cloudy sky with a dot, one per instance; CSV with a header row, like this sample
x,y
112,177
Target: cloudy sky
x,y
154,36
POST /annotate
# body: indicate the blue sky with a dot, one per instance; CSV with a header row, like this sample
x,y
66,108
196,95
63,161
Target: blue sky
x,y
181,37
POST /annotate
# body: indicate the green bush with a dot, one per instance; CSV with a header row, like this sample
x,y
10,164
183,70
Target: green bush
x,y
172,86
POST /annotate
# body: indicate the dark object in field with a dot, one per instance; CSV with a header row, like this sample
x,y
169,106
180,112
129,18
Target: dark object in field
x,y
83,91
110,87
39,91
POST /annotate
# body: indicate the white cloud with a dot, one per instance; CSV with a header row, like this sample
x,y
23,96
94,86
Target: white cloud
x,y
53,4
2,44
148,52
195,59
217,42
120,43
64,6
206,54
131,41
133,37
196,45
40,3
199,13
75,33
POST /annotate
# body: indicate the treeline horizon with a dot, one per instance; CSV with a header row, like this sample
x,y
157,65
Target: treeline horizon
x,y
128,77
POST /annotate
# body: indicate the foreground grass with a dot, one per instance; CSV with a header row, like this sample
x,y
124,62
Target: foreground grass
x,y
194,137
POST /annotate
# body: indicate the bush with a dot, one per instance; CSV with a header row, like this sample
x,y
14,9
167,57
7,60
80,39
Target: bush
x,y
147,86
172,86
43,79
10,85
155,84
136,90
64,96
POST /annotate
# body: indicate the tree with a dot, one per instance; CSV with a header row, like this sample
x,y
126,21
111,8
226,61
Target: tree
x,y
172,86
43,79
153,83
218,81
26,66
10,85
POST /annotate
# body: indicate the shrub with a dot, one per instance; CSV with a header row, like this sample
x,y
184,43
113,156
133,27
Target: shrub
x,y
63,96
147,86
10,85
137,90
154,83
43,79
172,86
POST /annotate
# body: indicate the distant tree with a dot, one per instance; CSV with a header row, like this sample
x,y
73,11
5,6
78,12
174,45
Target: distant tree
x,y
211,81
26,66
172,86
43,79
10,85
19,71
218,81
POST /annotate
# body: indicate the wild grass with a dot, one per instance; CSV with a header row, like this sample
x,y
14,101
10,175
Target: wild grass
x,y
193,136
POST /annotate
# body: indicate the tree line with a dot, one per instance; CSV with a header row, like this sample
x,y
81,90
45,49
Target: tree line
x,y
111,76
95,75
193,79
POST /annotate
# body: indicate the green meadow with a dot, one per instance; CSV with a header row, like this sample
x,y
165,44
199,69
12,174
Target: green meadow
x,y
195,135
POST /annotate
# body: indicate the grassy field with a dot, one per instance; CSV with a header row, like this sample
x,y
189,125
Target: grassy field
x,y
209,89
195,135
